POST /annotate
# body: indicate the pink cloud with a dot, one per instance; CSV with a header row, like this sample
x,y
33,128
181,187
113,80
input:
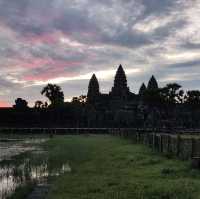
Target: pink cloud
x,y
57,69
45,38
48,38
34,63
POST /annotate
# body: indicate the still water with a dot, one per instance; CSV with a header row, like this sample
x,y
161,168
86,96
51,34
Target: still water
x,y
23,162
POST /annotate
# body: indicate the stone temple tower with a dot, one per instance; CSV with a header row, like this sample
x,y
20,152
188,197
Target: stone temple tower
x,y
93,90
152,84
120,89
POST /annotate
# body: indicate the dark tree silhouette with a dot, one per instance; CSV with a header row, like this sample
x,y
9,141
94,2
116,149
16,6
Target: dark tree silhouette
x,y
192,98
54,93
81,99
171,94
45,105
20,104
39,104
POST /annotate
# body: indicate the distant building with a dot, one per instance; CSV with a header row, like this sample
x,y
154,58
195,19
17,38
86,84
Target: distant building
x,y
120,97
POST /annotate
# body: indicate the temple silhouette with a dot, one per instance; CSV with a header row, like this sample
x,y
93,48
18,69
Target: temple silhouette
x,y
151,107
120,96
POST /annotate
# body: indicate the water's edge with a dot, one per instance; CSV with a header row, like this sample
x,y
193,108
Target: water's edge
x,y
24,161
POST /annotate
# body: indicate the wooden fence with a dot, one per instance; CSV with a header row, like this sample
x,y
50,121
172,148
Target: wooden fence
x,y
183,146
182,143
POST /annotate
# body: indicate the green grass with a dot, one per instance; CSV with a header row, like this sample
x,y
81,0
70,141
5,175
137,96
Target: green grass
x,y
105,167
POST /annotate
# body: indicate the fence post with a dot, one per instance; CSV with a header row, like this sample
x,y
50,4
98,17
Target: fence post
x,y
161,143
148,142
138,137
178,145
168,143
154,141
193,148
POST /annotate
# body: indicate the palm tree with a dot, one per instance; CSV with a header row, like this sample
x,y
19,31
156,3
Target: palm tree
x,y
54,93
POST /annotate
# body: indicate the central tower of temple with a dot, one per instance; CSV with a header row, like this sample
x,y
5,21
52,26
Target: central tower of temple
x,y
120,88
93,90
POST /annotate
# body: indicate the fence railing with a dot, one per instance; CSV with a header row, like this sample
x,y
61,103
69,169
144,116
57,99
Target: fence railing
x,y
182,145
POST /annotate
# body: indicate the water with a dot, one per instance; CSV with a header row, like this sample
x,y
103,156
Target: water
x,y
23,162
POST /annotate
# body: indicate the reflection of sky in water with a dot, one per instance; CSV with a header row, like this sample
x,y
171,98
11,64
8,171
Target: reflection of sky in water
x,y
12,175
9,149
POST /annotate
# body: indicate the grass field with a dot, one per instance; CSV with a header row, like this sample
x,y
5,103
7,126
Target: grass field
x,y
105,167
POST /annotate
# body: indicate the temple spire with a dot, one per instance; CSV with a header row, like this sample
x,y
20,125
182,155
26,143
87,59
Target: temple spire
x,y
142,90
120,88
153,84
93,89
120,78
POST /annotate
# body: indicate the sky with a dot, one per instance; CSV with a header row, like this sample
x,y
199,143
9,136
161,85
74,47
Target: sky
x,y
65,42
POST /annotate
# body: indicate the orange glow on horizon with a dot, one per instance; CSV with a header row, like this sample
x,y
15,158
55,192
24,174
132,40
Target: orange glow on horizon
x,y
4,104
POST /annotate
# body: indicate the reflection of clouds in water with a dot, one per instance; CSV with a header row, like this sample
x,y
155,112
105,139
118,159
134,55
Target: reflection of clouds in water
x,y
11,177
7,185
29,170
10,149
7,153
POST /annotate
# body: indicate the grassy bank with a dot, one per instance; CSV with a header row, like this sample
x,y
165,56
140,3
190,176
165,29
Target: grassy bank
x,y
105,167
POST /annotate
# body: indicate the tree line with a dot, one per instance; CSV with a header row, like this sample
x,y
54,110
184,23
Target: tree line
x,y
169,95
154,106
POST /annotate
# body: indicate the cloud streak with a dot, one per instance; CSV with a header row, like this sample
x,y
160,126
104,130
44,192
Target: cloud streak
x,y
65,41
